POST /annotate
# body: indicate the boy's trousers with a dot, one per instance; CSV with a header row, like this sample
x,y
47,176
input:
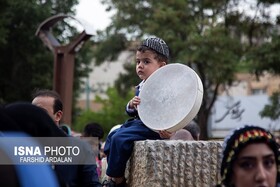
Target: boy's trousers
x,y
120,142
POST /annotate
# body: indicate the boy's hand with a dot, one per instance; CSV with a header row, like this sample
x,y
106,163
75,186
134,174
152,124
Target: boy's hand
x,y
165,134
134,102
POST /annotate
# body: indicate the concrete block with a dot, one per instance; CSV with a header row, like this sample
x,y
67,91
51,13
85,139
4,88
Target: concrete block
x,y
174,163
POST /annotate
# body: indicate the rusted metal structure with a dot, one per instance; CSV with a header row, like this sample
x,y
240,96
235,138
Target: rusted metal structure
x,y
64,59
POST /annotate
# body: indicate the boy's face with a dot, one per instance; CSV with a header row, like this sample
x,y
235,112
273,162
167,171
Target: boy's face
x,y
146,64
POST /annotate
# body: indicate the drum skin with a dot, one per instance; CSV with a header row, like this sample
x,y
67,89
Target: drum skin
x,y
170,98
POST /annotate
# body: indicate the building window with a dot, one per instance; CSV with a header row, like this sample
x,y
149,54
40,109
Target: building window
x,y
258,91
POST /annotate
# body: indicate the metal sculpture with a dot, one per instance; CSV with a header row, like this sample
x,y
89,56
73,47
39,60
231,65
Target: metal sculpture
x,y
64,59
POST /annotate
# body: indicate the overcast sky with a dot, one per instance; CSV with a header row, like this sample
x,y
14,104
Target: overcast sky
x,y
94,13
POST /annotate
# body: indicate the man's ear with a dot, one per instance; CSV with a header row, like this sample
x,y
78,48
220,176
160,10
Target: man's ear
x,y
163,63
58,115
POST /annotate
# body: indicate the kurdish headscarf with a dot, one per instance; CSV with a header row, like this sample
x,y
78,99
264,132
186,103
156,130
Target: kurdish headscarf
x,y
236,141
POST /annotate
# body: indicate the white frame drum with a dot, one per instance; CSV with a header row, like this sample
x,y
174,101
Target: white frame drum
x,y
170,98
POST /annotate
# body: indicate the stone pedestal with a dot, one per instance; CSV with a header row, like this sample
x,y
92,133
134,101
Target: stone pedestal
x,y
174,163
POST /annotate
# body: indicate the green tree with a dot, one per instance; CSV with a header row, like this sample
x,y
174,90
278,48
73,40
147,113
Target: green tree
x,y
111,114
272,110
25,63
263,56
127,80
206,35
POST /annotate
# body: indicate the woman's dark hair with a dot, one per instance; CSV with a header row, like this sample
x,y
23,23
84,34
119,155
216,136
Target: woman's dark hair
x,y
33,120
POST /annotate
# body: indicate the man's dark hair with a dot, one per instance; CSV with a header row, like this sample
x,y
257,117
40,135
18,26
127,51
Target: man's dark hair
x,y
93,130
50,93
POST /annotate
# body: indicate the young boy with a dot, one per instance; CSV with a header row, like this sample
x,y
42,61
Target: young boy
x,y
152,54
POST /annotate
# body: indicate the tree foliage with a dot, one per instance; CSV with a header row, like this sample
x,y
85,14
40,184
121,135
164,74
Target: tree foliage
x,y
25,63
127,80
206,35
265,57
111,114
272,110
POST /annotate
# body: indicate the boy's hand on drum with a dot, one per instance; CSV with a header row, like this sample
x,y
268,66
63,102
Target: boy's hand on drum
x,y
134,102
165,134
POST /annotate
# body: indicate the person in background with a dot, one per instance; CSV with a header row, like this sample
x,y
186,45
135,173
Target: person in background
x,y
103,163
189,132
73,175
194,129
152,54
35,122
50,101
95,130
250,158
181,134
